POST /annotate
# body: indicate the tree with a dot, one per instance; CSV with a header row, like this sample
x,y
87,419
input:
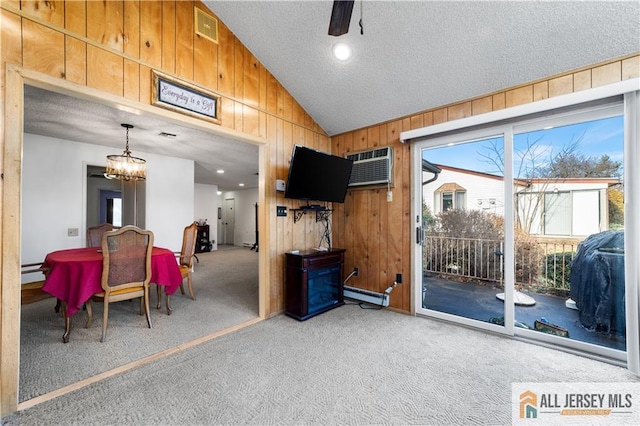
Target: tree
x,y
616,208
570,163
531,163
428,220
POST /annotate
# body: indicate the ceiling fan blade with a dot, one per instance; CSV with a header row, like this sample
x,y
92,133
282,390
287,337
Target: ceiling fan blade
x,y
340,17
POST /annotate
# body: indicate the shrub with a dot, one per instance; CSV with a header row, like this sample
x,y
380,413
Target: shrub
x,y
469,244
527,261
556,269
616,209
469,224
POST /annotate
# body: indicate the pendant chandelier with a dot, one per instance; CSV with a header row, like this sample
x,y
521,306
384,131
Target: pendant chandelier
x,y
124,166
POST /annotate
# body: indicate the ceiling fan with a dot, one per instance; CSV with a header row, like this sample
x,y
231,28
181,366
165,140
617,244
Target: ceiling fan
x,y
341,17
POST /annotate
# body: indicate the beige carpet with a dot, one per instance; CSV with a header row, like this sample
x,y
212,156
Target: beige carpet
x,y
347,366
226,287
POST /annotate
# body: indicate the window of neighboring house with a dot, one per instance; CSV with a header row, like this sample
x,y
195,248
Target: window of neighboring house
x,y
557,213
461,200
566,213
447,201
450,196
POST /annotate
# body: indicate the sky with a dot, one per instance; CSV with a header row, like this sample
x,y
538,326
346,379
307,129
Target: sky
x,y
596,138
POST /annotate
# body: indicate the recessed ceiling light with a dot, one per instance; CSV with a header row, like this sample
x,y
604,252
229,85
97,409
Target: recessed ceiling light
x,y
341,51
220,171
241,184
219,192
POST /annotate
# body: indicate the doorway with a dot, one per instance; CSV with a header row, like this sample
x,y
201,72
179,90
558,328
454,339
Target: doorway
x,y
13,151
111,207
229,221
114,201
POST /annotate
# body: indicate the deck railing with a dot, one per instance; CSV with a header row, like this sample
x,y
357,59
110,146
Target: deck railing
x,y
539,266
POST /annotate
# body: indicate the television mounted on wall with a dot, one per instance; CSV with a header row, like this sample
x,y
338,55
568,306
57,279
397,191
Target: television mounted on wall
x,y
317,176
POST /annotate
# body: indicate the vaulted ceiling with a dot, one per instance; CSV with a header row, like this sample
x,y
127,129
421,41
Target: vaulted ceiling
x,y
413,55
416,55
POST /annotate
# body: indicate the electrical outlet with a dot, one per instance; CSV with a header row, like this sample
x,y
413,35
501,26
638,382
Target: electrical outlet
x,y
73,232
389,196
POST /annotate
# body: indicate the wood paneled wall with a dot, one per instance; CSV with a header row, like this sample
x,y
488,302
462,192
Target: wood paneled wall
x,y
113,46
377,233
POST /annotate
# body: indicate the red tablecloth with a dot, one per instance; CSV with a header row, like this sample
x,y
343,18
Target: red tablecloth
x,y
75,274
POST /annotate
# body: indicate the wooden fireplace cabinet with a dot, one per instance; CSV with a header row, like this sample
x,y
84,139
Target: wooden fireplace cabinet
x,y
313,282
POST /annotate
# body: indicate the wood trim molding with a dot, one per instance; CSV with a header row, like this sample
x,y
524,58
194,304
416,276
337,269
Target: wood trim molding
x,y
16,78
10,272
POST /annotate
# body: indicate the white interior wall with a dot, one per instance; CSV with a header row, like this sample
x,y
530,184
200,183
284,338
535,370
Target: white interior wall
x,y
245,219
53,199
206,207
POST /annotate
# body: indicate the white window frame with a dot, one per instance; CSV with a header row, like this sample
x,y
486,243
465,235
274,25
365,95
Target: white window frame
x,y
622,96
455,203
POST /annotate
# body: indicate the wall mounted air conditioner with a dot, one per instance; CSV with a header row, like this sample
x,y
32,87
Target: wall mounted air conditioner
x,y
372,167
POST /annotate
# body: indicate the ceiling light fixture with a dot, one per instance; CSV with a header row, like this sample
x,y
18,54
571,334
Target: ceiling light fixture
x,y
220,171
341,51
124,166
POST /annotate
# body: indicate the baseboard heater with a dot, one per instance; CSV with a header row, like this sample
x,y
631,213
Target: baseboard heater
x,y
372,297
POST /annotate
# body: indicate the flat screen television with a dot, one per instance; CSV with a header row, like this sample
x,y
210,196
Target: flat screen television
x,y
317,176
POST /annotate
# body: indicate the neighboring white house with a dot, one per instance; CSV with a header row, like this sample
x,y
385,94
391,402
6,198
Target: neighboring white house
x,y
551,207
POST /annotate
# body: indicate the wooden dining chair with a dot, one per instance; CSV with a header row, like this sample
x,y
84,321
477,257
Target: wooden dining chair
x,y
94,234
32,292
185,260
126,270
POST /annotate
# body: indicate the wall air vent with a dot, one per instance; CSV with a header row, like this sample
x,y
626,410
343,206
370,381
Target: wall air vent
x,y
206,25
372,167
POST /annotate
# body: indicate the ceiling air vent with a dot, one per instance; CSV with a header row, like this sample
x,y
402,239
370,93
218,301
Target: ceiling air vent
x,y
371,167
206,25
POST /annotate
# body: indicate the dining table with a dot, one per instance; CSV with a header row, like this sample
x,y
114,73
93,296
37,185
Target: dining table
x,y
75,276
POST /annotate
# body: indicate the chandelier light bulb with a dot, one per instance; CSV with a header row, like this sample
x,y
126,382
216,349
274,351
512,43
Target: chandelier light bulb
x,y
124,166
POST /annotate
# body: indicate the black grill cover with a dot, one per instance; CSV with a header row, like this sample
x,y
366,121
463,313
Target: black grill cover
x,y
597,282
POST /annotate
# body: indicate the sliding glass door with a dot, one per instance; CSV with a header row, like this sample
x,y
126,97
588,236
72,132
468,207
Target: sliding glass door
x,y
462,229
521,228
569,226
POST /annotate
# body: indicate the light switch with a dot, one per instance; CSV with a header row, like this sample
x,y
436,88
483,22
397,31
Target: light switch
x,y
73,232
281,210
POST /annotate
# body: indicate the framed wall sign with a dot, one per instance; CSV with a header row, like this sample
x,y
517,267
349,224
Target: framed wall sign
x,y
179,96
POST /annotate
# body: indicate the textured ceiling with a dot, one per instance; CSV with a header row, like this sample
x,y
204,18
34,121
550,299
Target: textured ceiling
x,y
55,115
415,55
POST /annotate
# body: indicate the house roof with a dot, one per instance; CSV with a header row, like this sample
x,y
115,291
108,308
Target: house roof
x,y
470,172
538,181
449,187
